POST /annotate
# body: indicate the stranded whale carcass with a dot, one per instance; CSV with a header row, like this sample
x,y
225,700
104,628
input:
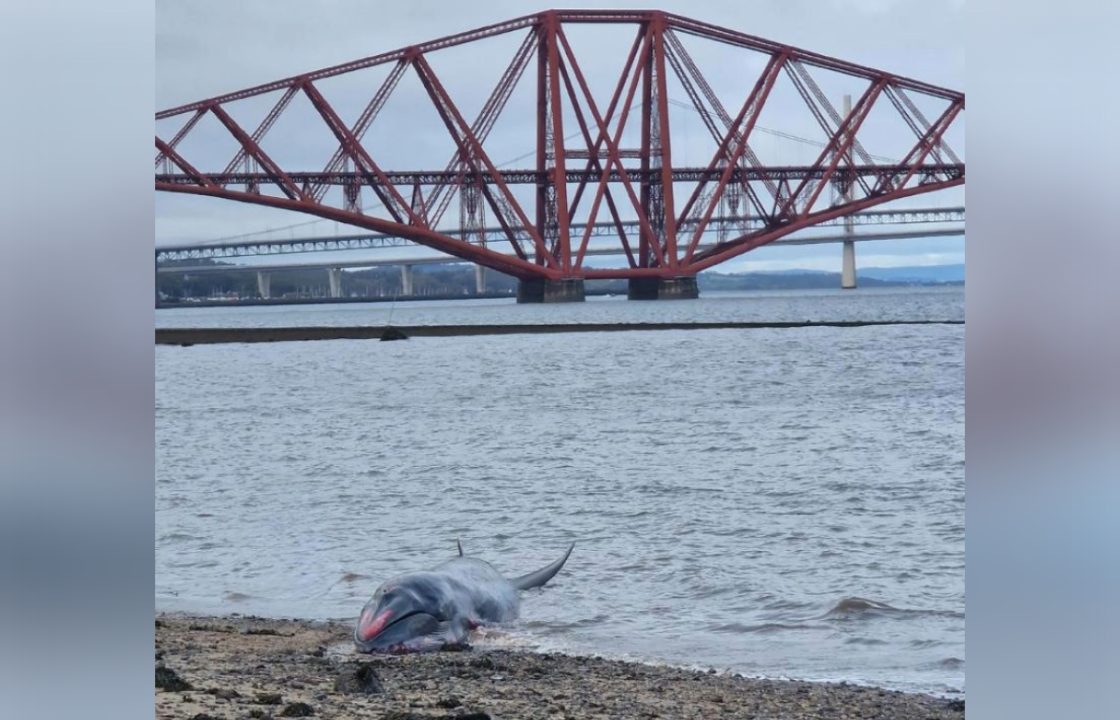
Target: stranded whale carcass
x,y
428,610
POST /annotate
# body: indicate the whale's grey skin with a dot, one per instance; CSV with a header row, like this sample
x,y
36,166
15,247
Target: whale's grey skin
x,y
432,609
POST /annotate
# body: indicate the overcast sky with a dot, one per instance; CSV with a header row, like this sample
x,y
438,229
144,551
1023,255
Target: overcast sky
x,y
206,48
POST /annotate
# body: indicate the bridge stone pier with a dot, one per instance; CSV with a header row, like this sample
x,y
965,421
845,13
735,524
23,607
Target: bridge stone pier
x,y
479,279
678,288
538,290
335,277
406,280
848,271
264,284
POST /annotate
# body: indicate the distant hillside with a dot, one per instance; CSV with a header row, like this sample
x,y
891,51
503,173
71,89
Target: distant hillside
x,y
777,280
916,274
821,279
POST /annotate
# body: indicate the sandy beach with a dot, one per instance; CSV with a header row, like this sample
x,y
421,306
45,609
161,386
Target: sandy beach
x,y
247,667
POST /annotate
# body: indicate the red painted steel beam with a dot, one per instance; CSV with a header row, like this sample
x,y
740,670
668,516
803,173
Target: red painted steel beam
x,y
732,248
529,177
274,172
542,190
595,148
182,133
925,124
593,164
801,75
752,108
440,198
398,54
835,149
559,165
612,144
471,148
690,77
688,25
369,114
195,175
753,42
390,197
423,236
917,155
809,90
668,209
646,235
265,126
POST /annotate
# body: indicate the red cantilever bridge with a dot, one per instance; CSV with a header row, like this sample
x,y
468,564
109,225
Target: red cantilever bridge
x,y
594,112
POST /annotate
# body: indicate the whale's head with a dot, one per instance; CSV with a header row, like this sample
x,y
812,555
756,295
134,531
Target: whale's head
x,y
406,614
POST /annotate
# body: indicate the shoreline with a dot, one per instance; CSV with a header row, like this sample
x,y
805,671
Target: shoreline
x,y
235,666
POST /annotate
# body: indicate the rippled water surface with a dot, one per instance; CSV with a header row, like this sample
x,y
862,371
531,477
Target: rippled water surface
x,y
787,503
804,305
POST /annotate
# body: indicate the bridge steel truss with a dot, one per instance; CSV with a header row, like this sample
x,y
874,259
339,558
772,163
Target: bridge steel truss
x,y
664,241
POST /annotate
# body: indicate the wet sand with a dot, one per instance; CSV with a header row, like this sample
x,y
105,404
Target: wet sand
x,y
245,667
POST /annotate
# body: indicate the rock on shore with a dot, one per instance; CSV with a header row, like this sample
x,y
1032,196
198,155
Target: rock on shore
x,y
243,667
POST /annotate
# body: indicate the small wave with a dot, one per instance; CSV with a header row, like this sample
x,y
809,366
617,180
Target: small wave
x,y
949,663
783,604
237,597
715,592
177,536
763,628
864,641
857,606
504,638
554,628
352,577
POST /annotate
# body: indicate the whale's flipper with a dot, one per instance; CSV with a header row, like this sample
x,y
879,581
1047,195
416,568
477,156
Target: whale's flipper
x,y
460,544
540,577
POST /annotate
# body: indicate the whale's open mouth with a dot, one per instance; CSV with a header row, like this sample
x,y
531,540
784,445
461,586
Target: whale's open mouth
x,y
372,622
389,631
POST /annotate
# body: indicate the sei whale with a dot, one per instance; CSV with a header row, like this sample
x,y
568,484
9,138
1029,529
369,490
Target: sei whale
x,y
432,609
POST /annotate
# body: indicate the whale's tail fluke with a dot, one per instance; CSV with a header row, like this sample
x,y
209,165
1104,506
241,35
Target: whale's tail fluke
x,y
540,577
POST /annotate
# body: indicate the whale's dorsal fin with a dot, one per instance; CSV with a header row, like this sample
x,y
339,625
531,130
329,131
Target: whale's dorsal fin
x,y
540,577
460,544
